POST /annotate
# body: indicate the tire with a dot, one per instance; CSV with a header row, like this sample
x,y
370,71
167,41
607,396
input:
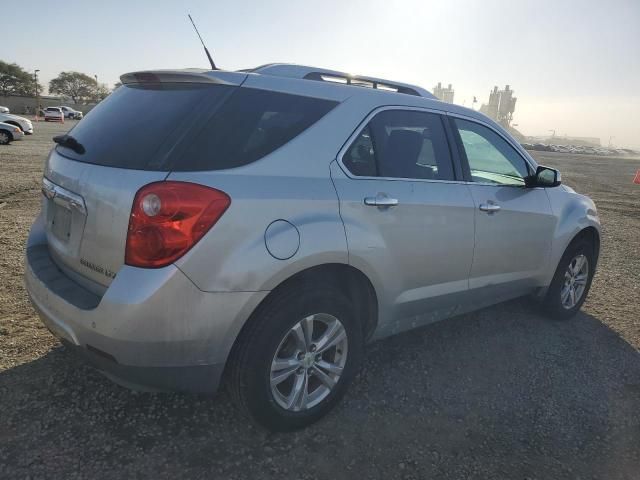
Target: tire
x,y
5,137
270,333
557,303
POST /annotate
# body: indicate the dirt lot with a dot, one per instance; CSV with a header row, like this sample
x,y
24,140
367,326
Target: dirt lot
x,y
502,393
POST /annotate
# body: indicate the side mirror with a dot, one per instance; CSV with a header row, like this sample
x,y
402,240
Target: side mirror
x,y
544,177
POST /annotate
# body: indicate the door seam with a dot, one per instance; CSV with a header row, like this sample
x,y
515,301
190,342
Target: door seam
x,y
344,228
473,255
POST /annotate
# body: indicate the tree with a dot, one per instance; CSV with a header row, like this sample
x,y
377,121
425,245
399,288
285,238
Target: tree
x,y
14,80
75,85
101,92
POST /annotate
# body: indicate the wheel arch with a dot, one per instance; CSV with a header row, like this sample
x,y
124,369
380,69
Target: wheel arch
x,y
342,276
14,123
591,235
590,232
345,278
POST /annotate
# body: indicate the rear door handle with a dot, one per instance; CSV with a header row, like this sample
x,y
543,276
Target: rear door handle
x,y
489,207
381,201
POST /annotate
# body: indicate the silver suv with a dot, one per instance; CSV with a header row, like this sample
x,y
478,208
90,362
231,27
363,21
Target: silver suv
x,y
261,226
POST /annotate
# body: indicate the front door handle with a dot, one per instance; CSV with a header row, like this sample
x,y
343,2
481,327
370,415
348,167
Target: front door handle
x,y
381,201
489,207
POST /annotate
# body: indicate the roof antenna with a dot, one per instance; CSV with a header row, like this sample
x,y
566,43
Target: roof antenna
x,y
213,65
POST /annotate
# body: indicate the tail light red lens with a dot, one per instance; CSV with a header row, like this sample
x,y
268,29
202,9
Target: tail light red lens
x,y
168,218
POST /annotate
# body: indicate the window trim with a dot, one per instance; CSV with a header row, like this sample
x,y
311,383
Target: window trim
x,y
458,178
462,155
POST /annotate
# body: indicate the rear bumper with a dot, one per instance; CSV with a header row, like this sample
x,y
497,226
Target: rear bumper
x,y
151,328
196,378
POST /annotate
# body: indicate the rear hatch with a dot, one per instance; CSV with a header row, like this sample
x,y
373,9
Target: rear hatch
x,y
124,143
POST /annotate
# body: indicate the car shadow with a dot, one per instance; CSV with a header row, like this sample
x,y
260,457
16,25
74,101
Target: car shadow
x,y
500,393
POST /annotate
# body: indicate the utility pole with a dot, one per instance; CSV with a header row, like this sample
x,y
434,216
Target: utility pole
x,y
35,77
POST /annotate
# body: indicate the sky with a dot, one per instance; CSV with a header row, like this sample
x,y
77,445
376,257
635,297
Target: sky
x,y
574,65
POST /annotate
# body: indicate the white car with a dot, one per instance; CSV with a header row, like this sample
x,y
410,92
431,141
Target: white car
x,y
71,113
9,133
22,123
53,114
4,109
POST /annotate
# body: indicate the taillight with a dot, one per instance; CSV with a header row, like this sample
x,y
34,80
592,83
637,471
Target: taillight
x,y
168,218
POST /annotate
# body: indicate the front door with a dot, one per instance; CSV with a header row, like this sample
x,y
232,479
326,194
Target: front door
x,y
514,224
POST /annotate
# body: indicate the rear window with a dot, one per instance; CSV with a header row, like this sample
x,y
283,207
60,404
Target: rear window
x,y
188,127
133,127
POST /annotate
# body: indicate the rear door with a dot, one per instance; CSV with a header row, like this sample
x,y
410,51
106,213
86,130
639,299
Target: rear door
x,y
514,224
408,221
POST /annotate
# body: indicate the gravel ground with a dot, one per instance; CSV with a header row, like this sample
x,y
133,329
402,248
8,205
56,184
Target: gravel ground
x,y
501,393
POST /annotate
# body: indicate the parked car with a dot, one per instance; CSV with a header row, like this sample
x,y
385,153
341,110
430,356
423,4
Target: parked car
x,y
9,133
71,113
22,123
53,114
266,224
4,109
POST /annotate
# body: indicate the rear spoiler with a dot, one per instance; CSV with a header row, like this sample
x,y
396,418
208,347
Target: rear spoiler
x,y
190,75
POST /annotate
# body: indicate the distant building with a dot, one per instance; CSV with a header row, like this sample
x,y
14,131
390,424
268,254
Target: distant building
x,y
501,106
443,93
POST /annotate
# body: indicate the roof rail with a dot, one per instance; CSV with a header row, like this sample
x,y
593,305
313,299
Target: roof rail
x,y
325,75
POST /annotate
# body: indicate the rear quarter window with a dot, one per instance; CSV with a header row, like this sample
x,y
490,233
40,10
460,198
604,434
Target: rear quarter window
x,y
251,124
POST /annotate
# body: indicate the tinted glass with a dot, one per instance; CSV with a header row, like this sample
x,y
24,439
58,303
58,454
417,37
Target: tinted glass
x,y
491,159
251,124
402,144
128,128
360,158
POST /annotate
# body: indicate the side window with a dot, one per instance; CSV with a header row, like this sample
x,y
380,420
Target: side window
x,y
250,125
401,144
491,159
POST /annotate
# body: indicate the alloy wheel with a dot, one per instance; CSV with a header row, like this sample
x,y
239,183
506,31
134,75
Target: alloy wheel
x,y
575,281
308,362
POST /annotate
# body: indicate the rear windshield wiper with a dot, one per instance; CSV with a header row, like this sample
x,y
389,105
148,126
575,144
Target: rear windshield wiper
x,y
69,142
